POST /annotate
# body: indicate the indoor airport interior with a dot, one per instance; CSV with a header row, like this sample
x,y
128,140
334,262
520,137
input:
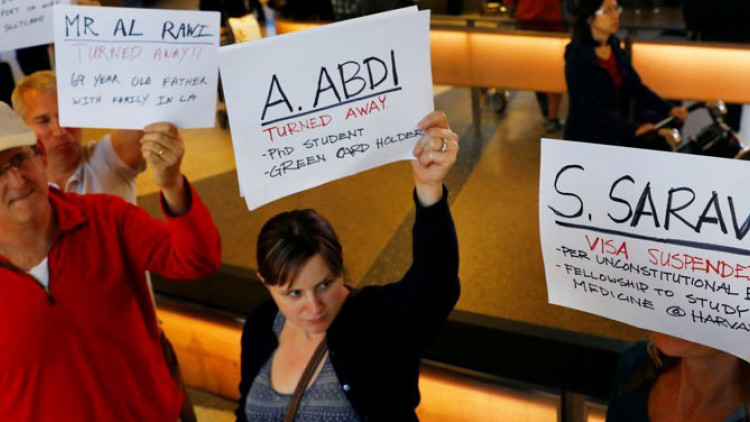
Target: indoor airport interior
x,y
504,353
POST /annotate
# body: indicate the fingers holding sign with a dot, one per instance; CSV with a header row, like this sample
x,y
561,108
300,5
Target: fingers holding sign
x,y
163,149
436,153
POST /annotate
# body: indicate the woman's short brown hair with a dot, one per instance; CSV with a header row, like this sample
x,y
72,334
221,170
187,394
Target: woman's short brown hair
x,y
287,241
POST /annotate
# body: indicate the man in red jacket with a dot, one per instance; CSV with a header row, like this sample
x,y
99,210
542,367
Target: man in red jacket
x,y
79,338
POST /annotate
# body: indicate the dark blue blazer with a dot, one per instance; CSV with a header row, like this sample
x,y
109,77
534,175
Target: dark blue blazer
x,y
591,116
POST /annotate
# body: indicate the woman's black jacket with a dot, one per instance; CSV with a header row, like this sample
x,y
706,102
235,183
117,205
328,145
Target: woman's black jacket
x,y
591,116
376,340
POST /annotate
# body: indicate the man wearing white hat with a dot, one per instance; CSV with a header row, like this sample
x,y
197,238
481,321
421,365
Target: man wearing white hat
x,y
79,338
109,165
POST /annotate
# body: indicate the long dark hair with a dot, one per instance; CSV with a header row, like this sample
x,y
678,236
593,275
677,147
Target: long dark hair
x,y
582,11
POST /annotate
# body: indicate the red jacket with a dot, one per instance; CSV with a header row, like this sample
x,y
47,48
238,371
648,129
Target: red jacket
x,y
538,10
89,351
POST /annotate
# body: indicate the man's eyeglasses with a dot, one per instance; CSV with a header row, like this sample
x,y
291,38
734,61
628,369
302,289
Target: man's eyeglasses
x,y
19,161
609,10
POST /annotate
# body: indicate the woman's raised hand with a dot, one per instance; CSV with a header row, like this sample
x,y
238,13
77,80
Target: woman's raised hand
x,y
436,153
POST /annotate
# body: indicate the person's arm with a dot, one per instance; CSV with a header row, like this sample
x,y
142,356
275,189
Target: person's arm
x,y
127,146
588,103
414,308
435,153
432,287
163,149
647,98
633,84
181,247
188,245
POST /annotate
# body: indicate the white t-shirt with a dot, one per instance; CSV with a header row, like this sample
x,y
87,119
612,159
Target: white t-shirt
x,y
41,273
102,171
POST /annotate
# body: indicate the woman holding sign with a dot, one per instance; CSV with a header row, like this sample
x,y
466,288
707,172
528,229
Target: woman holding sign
x,y
670,379
322,348
601,81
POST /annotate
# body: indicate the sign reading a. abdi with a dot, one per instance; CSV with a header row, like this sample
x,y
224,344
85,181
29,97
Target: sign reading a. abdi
x,y
657,240
314,106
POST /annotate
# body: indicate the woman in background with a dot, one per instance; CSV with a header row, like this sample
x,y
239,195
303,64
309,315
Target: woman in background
x,y
344,354
601,81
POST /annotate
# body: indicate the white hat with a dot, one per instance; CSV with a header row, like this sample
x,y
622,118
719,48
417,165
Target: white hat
x,y
13,131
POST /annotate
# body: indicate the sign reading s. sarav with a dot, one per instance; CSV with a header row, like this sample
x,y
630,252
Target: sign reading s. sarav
x,y
126,68
26,23
313,106
653,239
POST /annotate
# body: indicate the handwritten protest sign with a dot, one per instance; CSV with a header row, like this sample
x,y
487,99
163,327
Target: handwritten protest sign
x,y
26,23
126,68
653,239
313,106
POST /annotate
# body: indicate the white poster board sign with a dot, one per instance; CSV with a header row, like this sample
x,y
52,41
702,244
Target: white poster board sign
x,y
313,106
126,68
654,239
26,23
